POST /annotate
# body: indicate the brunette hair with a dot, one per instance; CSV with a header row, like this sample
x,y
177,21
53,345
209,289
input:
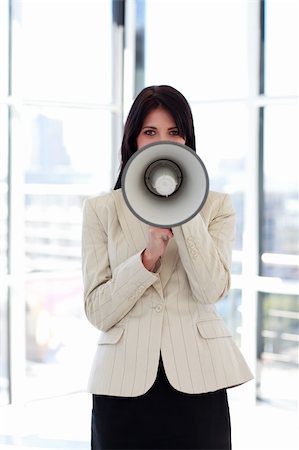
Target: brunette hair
x,y
148,99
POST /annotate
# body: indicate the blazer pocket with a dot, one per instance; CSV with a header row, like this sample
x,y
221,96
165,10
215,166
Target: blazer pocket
x,y
213,328
111,336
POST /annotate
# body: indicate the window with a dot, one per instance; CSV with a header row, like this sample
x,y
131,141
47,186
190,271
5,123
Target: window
x,y
4,208
242,82
63,94
64,104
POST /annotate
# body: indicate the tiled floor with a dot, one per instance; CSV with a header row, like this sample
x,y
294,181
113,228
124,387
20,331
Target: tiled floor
x,y
63,423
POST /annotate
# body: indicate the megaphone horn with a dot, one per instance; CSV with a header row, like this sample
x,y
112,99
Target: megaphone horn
x,y
165,184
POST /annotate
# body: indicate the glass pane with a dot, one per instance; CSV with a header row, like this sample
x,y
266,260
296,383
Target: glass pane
x,y
182,48
68,157
281,47
63,50
58,338
222,143
52,230
278,348
4,191
230,310
4,346
281,201
4,356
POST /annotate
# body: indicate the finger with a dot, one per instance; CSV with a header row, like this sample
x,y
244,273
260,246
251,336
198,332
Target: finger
x,y
161,233
168,233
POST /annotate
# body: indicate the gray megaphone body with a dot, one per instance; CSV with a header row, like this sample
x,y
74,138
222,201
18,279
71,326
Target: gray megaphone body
x,y
165,184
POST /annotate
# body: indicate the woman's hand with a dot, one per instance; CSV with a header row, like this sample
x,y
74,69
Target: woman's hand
x,y
157,242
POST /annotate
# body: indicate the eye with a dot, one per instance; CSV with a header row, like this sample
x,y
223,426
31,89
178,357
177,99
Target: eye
x,y
149,132
174,132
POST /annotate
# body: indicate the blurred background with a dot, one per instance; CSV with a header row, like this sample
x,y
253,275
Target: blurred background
x,y
69,72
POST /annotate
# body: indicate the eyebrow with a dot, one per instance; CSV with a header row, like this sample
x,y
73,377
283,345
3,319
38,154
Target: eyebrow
x,y
155,128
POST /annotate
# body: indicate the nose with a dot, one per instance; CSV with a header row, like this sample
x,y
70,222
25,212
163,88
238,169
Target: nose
x,y
167,137
160,137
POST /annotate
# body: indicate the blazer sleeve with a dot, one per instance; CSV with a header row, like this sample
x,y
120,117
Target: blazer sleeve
x,y
108,296
206,250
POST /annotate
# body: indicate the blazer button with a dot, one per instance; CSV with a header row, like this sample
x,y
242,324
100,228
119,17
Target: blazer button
x,y
194,254
158,308
190,242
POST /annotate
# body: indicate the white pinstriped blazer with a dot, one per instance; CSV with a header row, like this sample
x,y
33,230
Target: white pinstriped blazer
x,y
141,313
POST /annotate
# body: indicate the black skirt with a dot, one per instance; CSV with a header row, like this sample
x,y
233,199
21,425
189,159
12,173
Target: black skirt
x,y
162,418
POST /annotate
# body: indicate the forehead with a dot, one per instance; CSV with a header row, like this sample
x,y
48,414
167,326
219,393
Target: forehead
x,y
159,115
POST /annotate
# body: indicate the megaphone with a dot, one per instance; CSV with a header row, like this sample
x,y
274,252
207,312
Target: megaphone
x,y
165,184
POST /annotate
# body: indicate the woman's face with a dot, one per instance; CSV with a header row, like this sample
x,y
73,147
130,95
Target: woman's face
x,y
158,125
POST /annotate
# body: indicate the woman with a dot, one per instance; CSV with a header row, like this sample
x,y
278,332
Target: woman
x,y
165,357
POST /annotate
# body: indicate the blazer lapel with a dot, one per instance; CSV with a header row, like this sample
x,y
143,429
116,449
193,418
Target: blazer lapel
x,y
169,261
134,230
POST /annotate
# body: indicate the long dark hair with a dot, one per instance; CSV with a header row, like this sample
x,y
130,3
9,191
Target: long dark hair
x,y
148,99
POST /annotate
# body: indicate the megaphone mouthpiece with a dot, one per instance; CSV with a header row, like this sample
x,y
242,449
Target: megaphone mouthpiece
x,y
163,177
